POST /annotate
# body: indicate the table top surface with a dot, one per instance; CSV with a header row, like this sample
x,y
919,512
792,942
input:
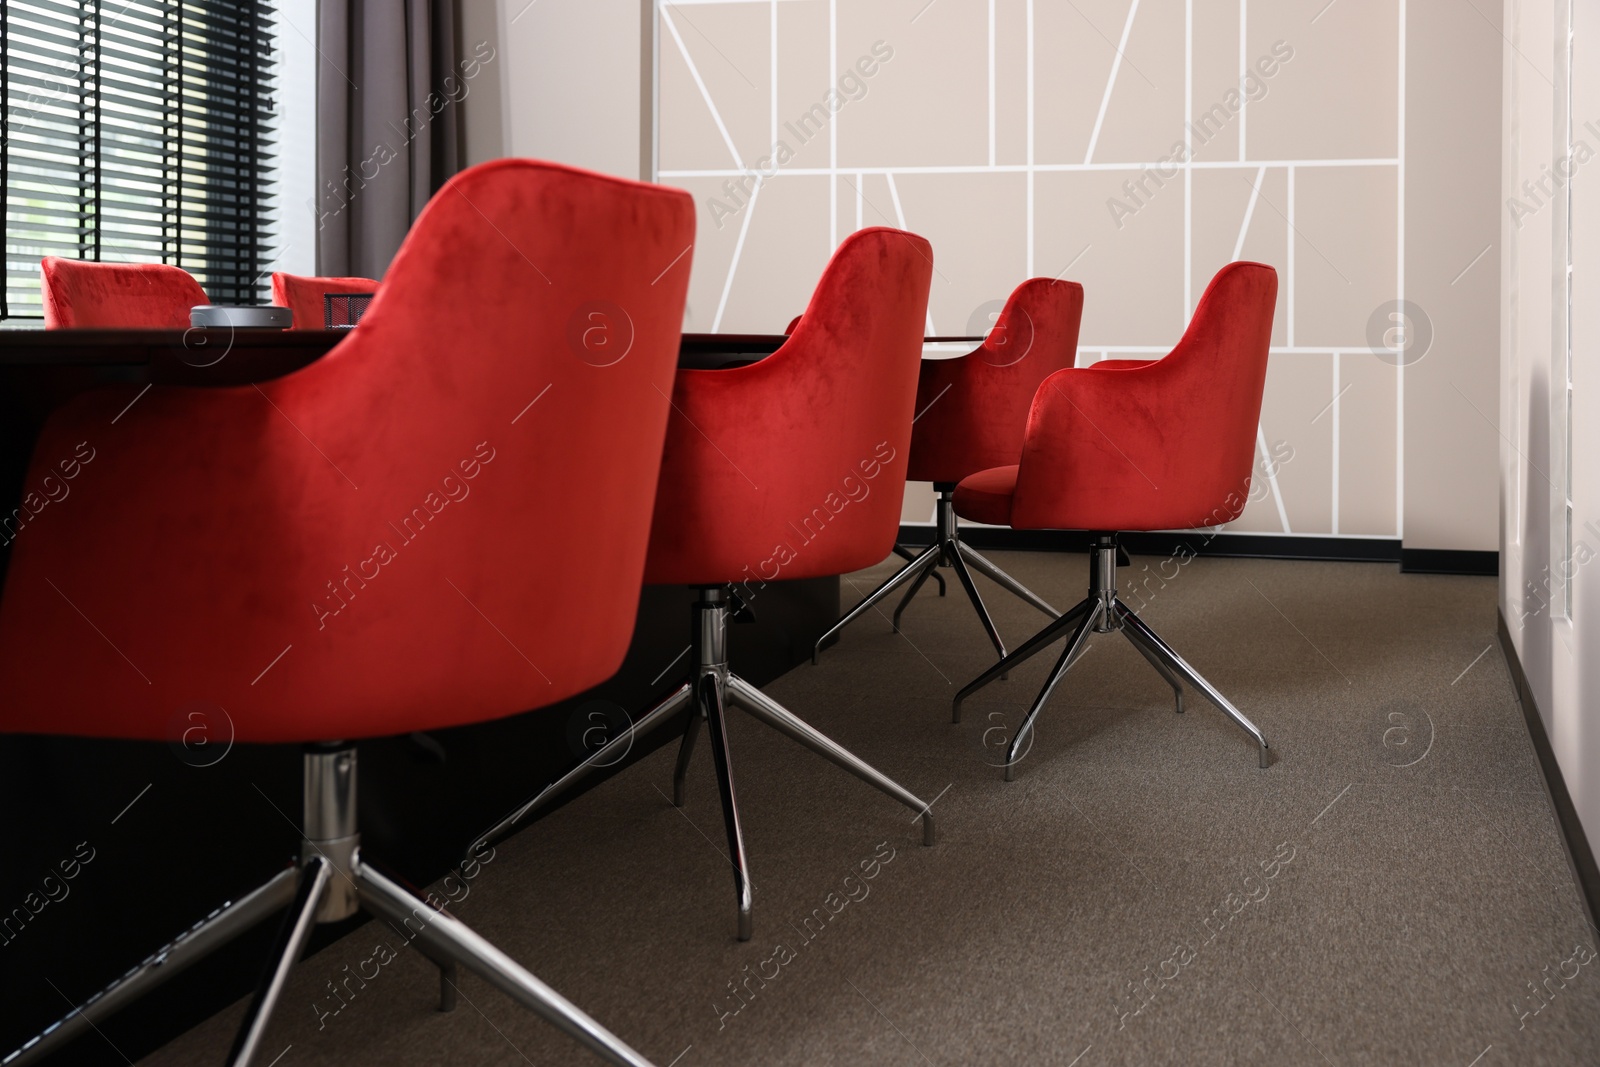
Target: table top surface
x,y
226,356
125,346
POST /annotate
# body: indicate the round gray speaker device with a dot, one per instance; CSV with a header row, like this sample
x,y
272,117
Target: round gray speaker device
x,y
242,317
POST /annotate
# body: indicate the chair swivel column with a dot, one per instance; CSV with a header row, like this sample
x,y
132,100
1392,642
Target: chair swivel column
x,y
711,691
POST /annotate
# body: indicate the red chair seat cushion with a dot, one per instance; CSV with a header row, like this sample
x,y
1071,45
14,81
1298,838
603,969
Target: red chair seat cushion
x,y
986,496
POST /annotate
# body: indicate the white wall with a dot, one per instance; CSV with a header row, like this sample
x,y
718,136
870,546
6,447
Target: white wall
x,y
1554,624
570,80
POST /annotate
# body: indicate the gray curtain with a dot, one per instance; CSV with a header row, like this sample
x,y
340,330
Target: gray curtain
x,y
389,85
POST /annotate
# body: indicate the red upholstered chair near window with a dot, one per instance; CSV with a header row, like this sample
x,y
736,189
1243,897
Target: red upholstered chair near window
x,y
972,412
78,293
303,295
1148,445
364,547
790,467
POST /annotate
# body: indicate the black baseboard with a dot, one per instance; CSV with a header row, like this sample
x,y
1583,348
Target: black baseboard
x,y
1448,561
1257,546
1579,855
1241,545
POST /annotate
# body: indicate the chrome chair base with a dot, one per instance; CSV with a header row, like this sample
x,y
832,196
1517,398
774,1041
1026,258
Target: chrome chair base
x,y
947,550
713,688
1102,611
328,884
906,554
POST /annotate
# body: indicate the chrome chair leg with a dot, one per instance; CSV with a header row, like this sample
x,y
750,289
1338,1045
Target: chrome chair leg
x,y
947,548
1004,580
680,769
960,567
195,944
708,694
780,718
1075,646
449,981
1030,648
603,756
715,689
1103,612
1194,678
443,935
911,593
906,554
291,942
906,573
947,536
1137,640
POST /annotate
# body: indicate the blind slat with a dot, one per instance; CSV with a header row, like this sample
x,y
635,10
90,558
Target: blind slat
x,y
136,131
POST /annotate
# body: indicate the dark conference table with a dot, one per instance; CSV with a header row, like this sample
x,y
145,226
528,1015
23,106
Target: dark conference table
x,y
40,369
220,356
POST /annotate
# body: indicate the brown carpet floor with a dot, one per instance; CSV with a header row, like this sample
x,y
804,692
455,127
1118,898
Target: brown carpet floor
x,y
1393,889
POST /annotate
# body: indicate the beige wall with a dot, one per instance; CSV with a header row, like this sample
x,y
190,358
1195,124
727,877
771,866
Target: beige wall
x,y
570,83
1452,254
1550,597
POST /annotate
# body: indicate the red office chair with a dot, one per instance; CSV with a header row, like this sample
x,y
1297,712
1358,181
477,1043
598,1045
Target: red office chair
x,y
899,549
364,547
790,467
1137,445
972,412
304,295
78,293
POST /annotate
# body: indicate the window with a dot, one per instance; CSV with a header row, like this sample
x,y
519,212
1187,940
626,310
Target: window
x,y
137,131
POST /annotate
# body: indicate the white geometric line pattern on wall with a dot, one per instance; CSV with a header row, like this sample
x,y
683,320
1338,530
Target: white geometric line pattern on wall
x,y
1008,160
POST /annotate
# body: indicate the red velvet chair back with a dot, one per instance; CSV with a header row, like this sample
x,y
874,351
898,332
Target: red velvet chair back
x,y
794,466
1165,446
78,293
304,294
442,521
974,409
